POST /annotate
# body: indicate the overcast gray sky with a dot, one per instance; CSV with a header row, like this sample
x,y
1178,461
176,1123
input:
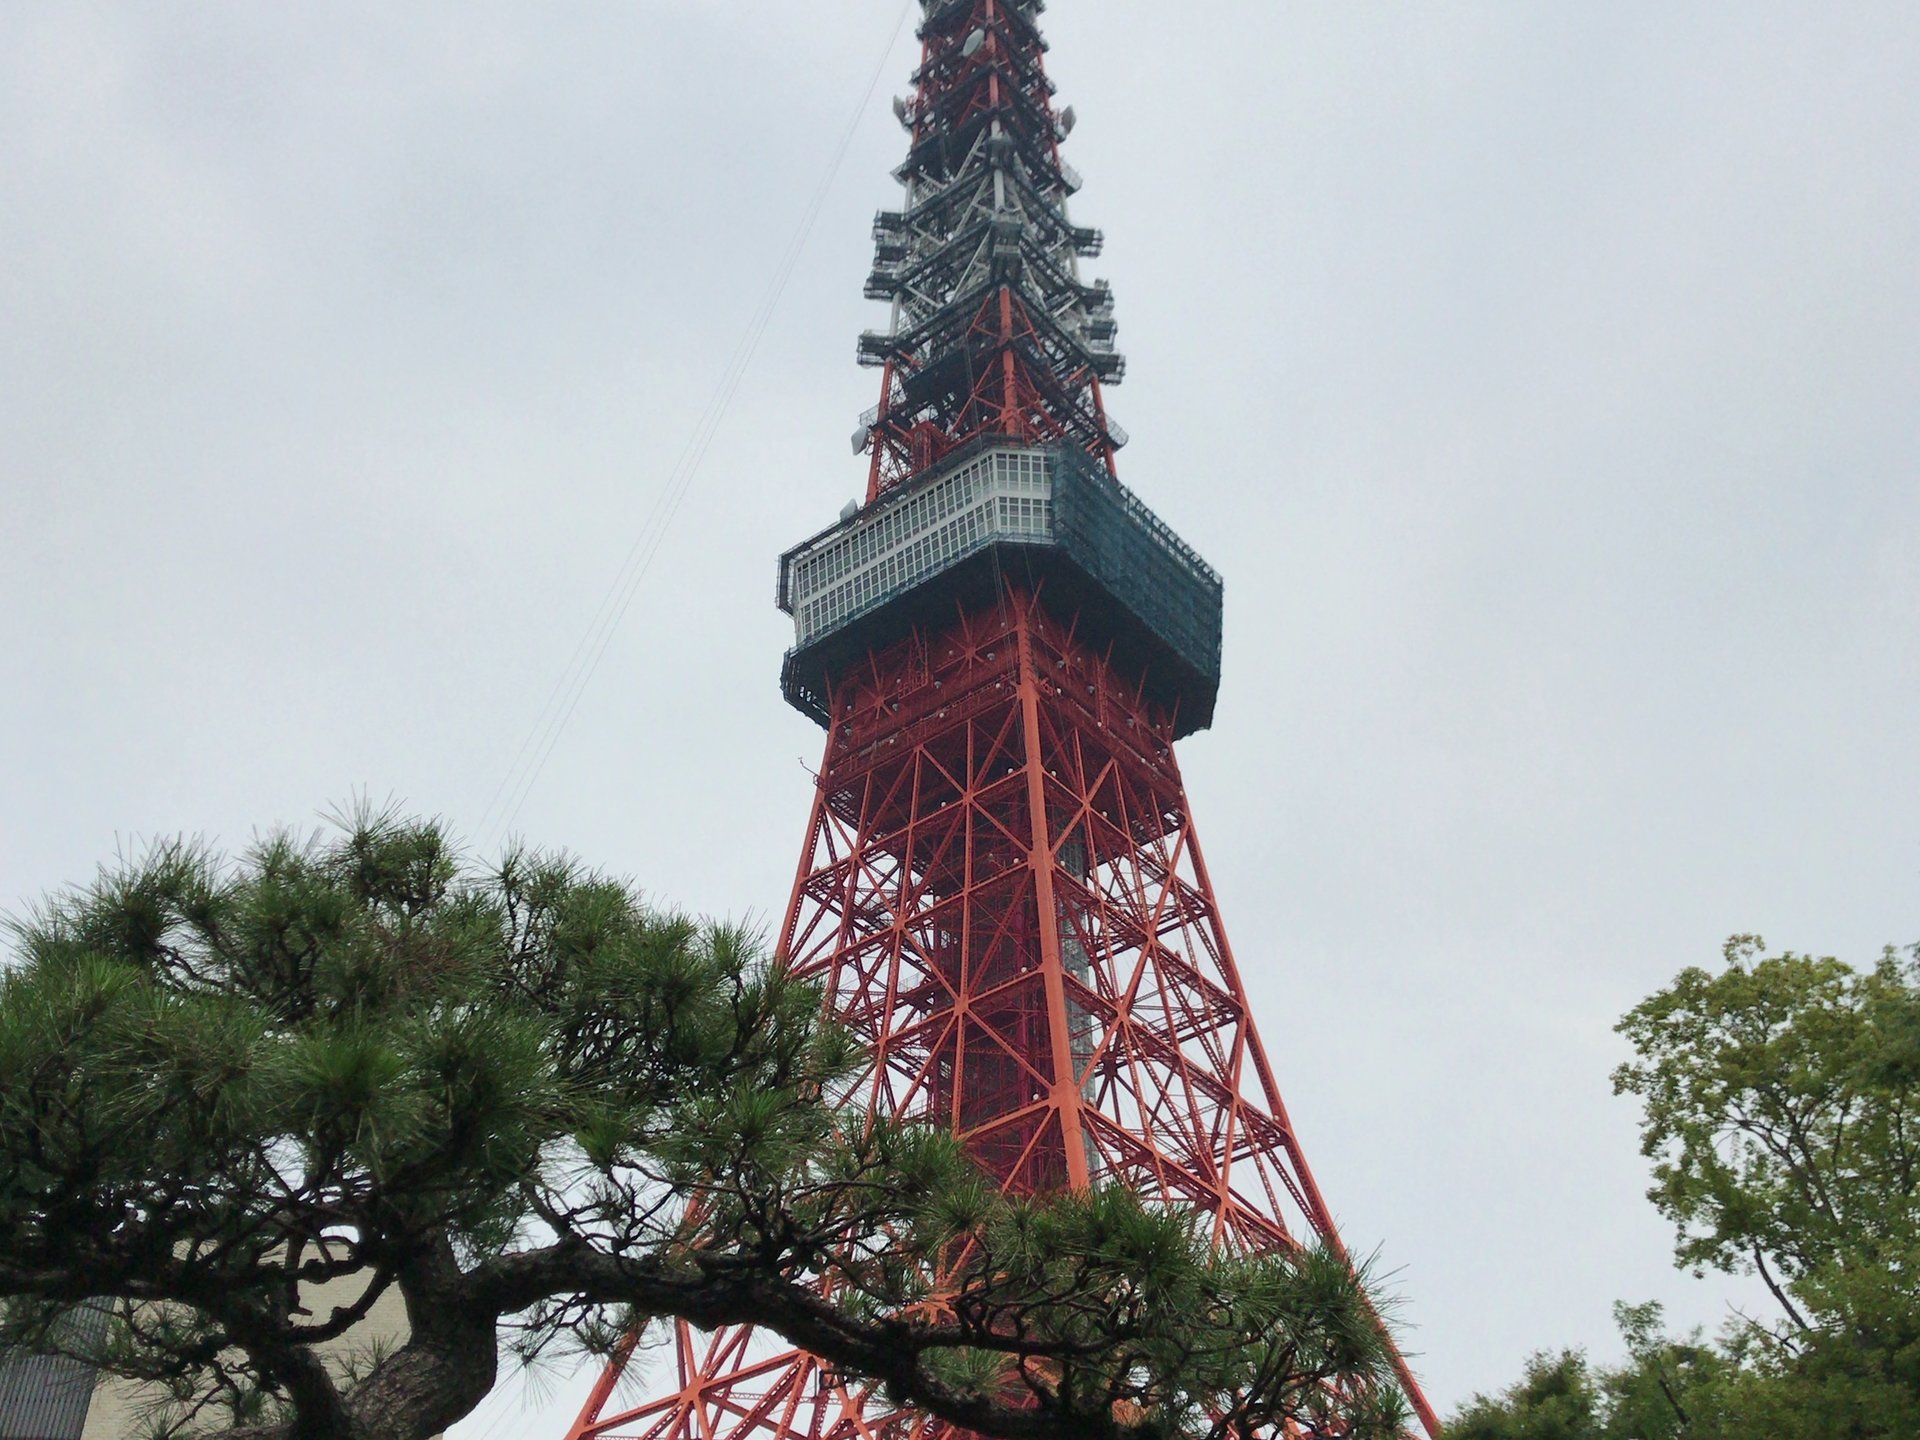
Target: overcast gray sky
x,y
1545,380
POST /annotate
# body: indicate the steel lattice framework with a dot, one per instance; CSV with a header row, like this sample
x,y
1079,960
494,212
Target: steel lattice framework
x,y
1001,888
993,332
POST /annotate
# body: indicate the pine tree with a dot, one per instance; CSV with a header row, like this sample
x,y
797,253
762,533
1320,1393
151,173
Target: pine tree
x,y
546,1115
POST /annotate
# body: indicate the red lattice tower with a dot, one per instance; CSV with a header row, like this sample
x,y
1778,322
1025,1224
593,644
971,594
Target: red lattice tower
x,y
1002,890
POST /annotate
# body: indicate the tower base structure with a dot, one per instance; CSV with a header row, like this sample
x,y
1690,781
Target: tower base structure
x,y
1003,894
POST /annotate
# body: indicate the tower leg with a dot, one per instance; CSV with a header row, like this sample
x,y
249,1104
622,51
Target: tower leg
x,y
1003,896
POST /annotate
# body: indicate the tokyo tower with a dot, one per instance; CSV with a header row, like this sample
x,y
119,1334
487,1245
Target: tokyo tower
x,y
1001,888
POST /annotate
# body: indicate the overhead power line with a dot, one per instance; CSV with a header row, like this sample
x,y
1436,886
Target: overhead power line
x,y
517,784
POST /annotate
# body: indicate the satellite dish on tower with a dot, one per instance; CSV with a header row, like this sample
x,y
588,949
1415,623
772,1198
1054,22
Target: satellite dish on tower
x,y
900,109
1068,119
974,42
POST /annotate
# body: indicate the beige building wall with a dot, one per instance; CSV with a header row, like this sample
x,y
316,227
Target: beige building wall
x,y
123,1410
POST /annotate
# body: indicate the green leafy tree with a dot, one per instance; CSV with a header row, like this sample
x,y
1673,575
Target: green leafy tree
x,y
1665,1389
1782,1113
542,1115
1557,1399
1781,1104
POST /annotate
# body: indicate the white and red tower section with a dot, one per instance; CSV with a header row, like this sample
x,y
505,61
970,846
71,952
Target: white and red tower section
x,y
1001,887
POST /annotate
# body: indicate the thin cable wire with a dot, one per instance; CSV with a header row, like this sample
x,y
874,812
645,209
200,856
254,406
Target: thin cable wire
x,y
510,1404
537,748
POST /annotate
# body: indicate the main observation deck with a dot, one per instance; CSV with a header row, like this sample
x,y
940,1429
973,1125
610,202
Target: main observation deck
x,y
1049,518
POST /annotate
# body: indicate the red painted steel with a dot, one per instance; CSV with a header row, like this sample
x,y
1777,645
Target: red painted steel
x,y
1004,895
1002,889
994,339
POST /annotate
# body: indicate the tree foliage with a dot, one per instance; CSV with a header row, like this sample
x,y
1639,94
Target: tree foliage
x,y
543,1114
1781,1111
1556,1399
1664,1389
